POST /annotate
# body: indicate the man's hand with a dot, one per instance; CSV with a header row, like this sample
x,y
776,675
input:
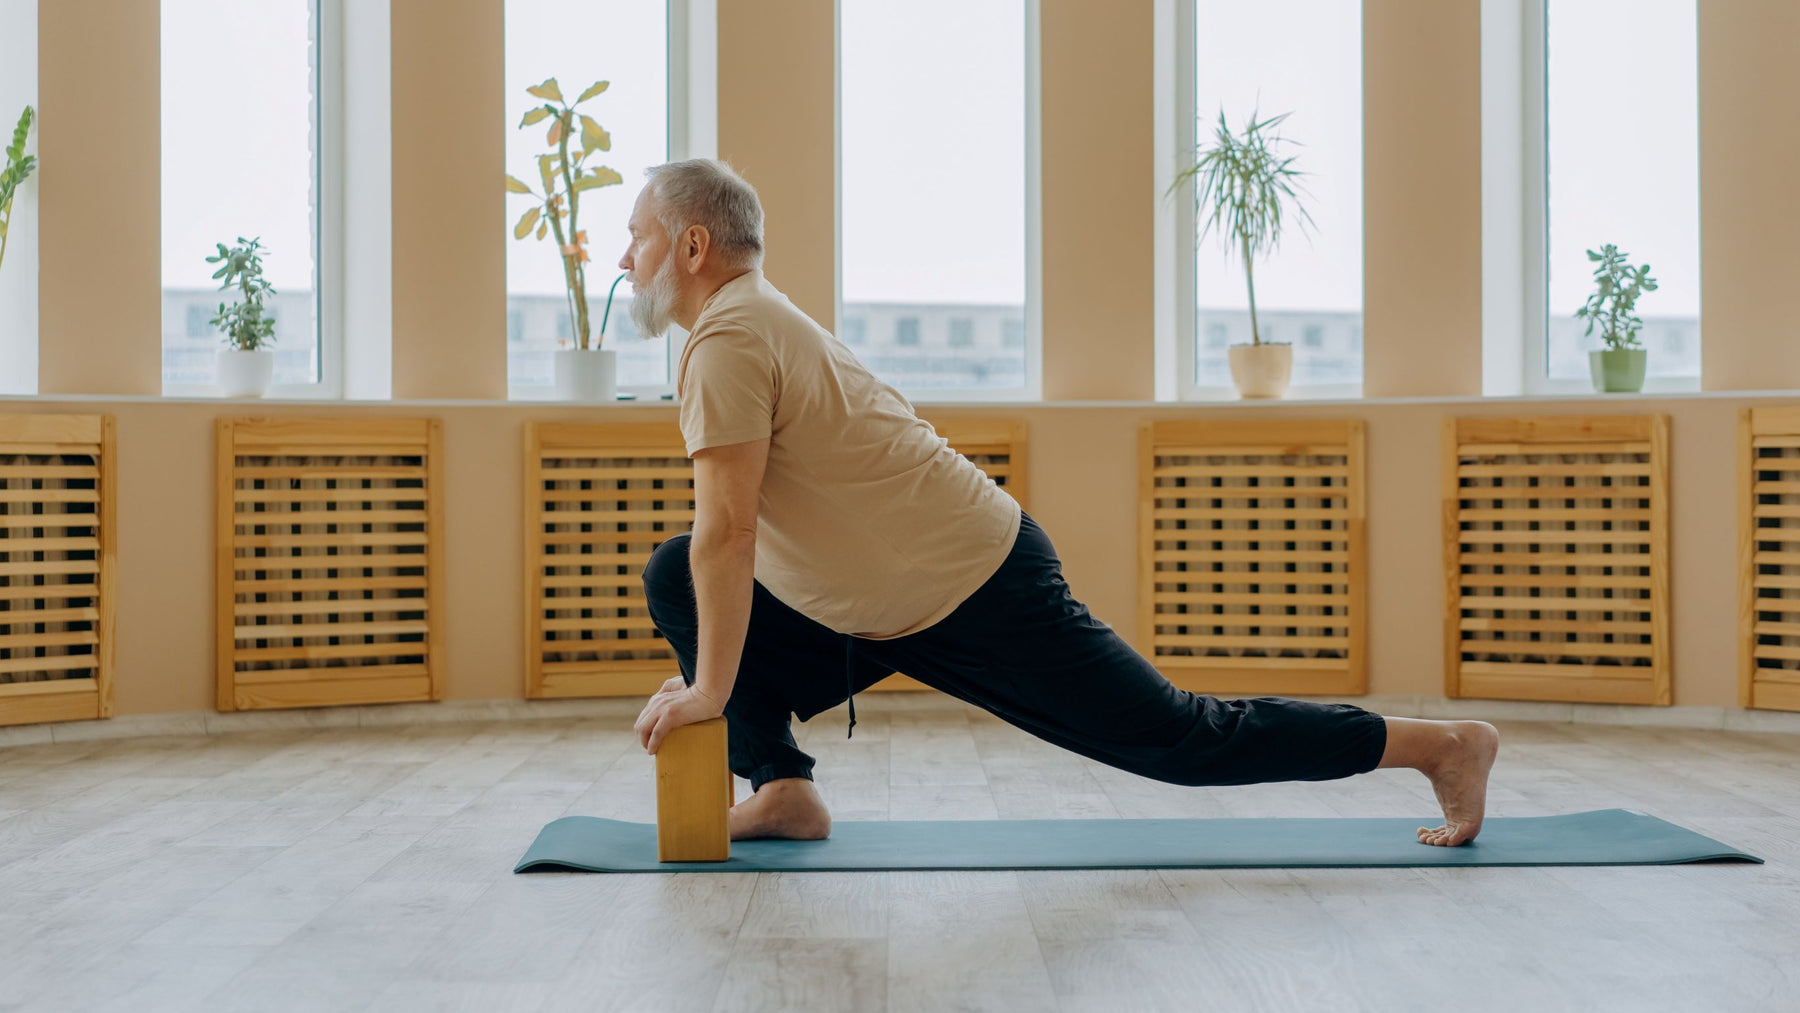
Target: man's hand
x,y
674,705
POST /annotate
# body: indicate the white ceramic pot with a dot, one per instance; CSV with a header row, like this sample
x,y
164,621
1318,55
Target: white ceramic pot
x,y
245,374
589,375
1261,370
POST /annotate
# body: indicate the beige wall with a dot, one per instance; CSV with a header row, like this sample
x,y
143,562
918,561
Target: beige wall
x,y
1749,206
1098,248
449,248
776,121
1421,198
778,126
99,198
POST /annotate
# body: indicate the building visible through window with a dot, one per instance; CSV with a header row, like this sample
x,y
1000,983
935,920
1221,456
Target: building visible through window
x,y
939,315
625,43
1302,58
962,333
267,53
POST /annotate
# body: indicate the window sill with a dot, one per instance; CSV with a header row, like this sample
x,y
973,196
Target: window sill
x,y
927,402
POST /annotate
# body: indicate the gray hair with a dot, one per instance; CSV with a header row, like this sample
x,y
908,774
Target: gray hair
x,y
710,194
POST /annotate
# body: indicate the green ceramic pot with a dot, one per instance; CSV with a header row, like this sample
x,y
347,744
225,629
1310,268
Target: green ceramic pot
x,y
1618,370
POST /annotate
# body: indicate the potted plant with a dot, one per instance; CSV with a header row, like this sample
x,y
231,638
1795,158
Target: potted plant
x,y
1245,188
18,167
1619,367
246,364
586,372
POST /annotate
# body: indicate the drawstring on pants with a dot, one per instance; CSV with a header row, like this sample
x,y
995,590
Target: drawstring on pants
x,y
849,685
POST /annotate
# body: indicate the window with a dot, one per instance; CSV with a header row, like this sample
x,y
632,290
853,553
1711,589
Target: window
x,y
18,265
1313,336
256,68
856,330
199,320
962,333
972,111
628,44
1621,154
1012,333
906,332
515,325
1302,58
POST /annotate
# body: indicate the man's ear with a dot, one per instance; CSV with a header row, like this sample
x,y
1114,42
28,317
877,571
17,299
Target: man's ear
x,y
696,244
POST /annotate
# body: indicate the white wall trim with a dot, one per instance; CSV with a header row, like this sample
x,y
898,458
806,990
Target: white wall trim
x,y
1503,168
366,136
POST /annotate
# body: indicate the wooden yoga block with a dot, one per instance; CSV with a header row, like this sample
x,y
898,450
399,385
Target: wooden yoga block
x,y
693,792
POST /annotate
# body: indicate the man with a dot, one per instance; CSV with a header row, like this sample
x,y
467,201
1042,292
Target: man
x,y
837,539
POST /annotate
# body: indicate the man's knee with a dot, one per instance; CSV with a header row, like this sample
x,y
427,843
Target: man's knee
x,y
666,575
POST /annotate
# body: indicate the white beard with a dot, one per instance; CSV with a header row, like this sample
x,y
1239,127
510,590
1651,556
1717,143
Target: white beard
x,y
653,306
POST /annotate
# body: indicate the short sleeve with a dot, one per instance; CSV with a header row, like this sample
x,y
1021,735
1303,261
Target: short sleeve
x,y
727,390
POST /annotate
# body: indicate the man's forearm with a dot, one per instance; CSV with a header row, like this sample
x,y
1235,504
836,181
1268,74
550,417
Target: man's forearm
x,y
724,569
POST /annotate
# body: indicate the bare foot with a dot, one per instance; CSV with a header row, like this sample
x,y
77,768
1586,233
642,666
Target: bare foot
x,y
1459,776
788,808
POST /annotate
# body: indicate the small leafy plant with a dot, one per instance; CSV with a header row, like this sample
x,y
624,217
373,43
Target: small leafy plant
x,y
1617,286
565,180
18,167
246,325
1245,187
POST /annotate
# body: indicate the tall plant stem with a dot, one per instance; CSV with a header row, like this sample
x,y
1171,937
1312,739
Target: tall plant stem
x,y
1250,284
572,269
6,217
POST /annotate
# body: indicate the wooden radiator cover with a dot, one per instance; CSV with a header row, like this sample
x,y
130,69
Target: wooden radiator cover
x,y
599,499
1556,559
1252,555
330,562
996,446
1769,558
58,509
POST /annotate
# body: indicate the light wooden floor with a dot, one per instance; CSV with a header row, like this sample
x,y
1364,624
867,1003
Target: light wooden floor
x,y
347,869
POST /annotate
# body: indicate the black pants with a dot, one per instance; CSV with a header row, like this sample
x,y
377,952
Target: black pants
x,y
1024,649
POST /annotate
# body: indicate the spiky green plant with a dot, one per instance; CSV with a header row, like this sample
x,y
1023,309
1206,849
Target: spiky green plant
x,y
1246,189
18,166
564,181
1617,286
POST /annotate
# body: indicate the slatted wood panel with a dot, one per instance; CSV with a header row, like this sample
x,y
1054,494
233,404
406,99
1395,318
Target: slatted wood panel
x,y
1769,558
996,446
58,508
329,562
599,499
1251,555
1556,557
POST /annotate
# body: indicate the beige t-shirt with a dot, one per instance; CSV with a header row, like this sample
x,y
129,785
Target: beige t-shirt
x,y
868,522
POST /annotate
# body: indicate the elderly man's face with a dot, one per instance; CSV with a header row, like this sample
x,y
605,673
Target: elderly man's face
x,y
649,263
649,245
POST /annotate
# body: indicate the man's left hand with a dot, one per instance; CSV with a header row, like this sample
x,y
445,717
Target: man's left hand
x,y
672,707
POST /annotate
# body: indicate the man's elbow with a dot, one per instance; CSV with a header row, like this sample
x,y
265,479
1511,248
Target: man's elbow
x,y
725,534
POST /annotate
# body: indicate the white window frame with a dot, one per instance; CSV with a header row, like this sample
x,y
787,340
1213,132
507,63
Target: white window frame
x,y
1033,388
1178,335
1515,210
693,133
328,185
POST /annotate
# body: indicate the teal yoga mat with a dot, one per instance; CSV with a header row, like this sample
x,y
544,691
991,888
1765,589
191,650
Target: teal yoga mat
x,y
1602,837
